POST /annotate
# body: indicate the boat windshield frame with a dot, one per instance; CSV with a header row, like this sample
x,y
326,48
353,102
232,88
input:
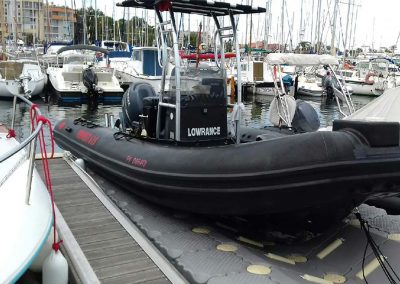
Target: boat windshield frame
x,y
277,60
164,27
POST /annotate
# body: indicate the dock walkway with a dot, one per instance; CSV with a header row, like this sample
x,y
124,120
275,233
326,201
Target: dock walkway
x,y
103,245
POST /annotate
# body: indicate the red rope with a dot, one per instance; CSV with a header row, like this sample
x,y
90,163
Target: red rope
x,y
11,133
35,119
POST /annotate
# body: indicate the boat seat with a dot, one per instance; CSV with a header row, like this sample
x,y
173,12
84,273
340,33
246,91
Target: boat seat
x,y
377,133
104,76
72,76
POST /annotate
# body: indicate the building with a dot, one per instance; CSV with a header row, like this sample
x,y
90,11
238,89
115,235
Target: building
x,y
61,22
28,20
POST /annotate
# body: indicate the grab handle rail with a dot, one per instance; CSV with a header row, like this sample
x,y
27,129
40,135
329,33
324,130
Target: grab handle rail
x,y
31,140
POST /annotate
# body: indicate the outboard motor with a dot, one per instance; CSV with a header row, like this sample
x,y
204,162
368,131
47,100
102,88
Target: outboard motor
x,y
90,80
139,109
305,117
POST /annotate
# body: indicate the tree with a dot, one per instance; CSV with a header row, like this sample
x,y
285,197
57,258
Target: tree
x,y
139,31
304,47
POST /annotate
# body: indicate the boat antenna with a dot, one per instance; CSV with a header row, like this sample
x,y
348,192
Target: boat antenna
x,y
198,43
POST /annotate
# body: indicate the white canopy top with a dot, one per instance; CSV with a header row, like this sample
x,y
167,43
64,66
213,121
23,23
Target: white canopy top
x,y
384,108
301,59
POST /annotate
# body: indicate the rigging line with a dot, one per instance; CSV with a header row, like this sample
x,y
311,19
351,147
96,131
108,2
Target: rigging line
x,y
363,262
341,29
289,26
327,16
376,250
330,20
380,252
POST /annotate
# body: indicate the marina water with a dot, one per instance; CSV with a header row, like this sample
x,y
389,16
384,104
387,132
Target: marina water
x,y
255,113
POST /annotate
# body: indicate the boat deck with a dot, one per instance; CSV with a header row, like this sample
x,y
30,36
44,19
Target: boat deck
x,y
101,244
210,250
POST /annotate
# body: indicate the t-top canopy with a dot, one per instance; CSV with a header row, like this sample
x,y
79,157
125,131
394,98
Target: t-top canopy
x,y
202,7
82,46
301,59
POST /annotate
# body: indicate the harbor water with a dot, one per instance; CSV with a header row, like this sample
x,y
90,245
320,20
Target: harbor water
x,y
255,113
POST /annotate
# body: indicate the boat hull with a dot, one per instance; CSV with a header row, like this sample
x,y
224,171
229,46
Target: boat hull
x,y
10,87
249,178
25,227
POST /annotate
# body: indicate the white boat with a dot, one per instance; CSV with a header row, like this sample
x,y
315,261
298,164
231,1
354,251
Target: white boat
x,y
145,66
142,66
371,77
310,84
25,225
254,72
79,79
21,76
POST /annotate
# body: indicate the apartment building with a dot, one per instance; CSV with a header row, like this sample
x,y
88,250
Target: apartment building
x,y
34,21
61,22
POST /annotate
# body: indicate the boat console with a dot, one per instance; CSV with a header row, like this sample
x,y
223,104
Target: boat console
x,y
192,104
203,110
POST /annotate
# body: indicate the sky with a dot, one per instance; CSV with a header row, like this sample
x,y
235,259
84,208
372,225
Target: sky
x,y
377,23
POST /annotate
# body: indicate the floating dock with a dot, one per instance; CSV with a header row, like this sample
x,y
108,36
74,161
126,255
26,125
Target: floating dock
x,y
100,242
112,236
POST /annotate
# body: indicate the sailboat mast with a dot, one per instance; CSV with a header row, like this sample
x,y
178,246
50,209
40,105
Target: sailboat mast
x,y
113,16
65,19
95,20
268,22
22,20
355,28
48,22
282,26
251,29
312,23
373,33
127,26
15,30
347,26
247,23
318,26
84,22
333,49
351,26
35,25
301,33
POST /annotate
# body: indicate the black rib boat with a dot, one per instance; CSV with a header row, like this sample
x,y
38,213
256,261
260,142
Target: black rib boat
x,y
328,170
175,148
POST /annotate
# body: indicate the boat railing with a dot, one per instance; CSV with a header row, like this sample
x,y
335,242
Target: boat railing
x,y
30,141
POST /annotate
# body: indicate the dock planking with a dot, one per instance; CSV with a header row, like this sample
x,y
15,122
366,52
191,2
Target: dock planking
x,y
113,254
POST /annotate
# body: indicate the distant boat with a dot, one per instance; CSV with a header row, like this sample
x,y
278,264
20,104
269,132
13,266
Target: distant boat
x,y
80,80
371,77
21,76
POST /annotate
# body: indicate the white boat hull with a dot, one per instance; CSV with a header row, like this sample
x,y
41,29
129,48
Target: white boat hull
x,y
24,228
76,88
35,85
